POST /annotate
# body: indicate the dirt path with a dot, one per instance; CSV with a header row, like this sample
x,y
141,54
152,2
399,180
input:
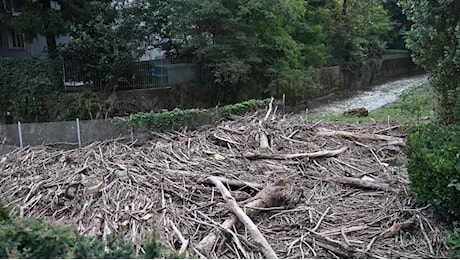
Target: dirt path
x,y
372,98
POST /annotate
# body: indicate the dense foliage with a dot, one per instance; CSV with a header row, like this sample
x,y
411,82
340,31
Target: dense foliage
x,y
165,120
104,46
434,40
32,238
46,18
247,49
453,239
271,44
29,92
358,31
433,166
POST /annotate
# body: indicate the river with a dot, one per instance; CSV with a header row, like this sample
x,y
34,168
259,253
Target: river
x,y
371,98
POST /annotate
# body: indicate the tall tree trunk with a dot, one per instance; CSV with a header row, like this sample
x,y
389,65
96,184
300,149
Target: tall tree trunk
x,y
50,36
344,9
51,44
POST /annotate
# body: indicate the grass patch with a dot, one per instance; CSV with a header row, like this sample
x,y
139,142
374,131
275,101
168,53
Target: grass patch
x,y
414,106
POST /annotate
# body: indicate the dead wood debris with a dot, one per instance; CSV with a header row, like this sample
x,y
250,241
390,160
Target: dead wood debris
x,y
341,197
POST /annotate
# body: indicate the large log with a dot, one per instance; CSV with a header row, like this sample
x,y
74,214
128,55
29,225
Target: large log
x,y
360,136
325,153
270,196
259,239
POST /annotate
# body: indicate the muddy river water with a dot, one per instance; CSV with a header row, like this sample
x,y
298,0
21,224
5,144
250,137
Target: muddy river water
x,y
371,98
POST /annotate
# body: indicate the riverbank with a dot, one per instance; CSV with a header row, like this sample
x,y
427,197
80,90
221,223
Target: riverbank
x,y
406,100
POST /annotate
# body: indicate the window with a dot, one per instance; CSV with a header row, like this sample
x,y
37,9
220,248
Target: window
x,y
15,40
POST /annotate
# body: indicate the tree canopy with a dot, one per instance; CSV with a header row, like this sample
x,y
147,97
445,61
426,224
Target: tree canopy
x,y
48,18
434,40
269,45
118,33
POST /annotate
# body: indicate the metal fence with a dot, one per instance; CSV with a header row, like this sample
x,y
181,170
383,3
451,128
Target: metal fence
x,y
137,75
67,134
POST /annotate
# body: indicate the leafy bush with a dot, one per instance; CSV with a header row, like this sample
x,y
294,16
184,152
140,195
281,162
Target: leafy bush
x,y
32,238
453,239
28,88
167,120
29,91
433,166
244,107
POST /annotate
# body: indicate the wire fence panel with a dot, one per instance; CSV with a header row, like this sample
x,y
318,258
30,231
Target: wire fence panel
x,y
136,75
66,134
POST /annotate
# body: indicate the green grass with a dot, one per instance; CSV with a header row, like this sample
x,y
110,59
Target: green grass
x,y
414,106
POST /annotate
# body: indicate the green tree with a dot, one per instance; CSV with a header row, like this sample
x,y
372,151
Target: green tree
x,y
434,40
47,18
241,43
358,31
399,23
118,34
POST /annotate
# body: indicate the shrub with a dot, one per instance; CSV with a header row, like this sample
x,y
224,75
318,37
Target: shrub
x,y
168,120
32,238
433,166
453,239
244,107
28,88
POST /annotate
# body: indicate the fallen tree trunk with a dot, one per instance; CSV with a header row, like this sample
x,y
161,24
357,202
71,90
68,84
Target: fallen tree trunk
x,y
360,136
325,153
269,196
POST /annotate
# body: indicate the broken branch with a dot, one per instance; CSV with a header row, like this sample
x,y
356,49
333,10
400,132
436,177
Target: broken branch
x,y
247,221
325,153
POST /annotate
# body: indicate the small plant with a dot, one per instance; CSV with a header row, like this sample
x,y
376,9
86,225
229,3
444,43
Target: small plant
x,y
433,166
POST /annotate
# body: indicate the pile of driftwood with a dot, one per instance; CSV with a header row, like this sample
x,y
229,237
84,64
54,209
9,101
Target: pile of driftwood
x,y
259,186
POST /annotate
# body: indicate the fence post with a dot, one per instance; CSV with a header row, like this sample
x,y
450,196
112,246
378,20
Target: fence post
x,y
20,135
131,129
284,103
78,133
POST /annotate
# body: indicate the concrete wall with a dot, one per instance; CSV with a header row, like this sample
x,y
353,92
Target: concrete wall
x,y
332,78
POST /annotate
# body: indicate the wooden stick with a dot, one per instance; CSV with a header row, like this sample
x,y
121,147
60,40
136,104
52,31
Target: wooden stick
x,y
263,140
270,106
396,227
325,153
331,245
249,224
204,179
321,219
179,235
355,182
269,196
361,136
